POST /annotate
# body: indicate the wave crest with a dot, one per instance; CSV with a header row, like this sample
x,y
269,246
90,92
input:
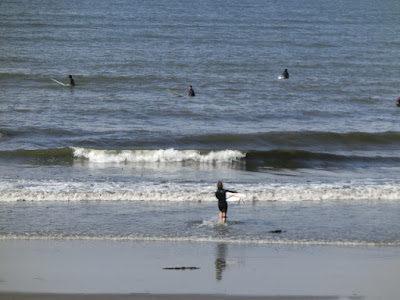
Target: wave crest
x,y
157,156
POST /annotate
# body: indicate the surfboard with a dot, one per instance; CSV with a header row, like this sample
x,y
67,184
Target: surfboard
x,y
234,196
175,93
281,77
60,83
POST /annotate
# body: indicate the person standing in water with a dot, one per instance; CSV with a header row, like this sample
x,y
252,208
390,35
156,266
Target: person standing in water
x,y
191,92
71,81
222,204
285,74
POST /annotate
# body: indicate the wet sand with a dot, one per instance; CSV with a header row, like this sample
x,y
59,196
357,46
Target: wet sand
x,y
25,296
79,269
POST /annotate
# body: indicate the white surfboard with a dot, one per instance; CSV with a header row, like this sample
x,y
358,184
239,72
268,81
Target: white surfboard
x,y
234,197
60,83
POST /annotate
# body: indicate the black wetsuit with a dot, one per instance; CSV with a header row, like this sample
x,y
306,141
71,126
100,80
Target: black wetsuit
x,y
191,93
285,74
221,196
71,82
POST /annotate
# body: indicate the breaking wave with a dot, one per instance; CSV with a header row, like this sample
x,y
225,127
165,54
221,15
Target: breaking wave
x,y
156,156
172,192
251,160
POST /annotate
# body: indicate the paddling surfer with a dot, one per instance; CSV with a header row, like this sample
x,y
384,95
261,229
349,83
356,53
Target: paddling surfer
x,y
222,204
191,92
71,81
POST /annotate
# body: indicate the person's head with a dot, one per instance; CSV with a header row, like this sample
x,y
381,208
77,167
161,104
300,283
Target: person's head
x,y
70,76
219,185
190,87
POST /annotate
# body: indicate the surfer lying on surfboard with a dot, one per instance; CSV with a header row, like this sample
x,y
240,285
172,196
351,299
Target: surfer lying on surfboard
x,y
222,204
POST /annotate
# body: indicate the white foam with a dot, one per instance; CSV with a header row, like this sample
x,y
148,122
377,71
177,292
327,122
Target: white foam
x,y
53,190
326,192
156,156
194,239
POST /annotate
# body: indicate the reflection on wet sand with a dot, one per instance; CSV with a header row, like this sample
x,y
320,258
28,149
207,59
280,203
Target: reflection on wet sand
x,y
220,260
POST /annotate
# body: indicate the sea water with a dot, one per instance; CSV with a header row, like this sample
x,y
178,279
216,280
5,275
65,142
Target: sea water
x,y
118,157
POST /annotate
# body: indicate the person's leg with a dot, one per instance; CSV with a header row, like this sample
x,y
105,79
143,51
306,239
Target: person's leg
x,y
223,208
225,213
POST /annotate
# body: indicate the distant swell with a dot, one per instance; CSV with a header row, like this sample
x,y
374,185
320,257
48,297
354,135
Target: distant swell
x,y
295,159
312,141
304,140
45,156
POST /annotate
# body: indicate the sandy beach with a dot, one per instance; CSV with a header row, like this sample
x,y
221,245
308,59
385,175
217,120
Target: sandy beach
x,y
78,269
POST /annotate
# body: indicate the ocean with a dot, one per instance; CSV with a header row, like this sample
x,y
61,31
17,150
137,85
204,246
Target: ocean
x,y
119,157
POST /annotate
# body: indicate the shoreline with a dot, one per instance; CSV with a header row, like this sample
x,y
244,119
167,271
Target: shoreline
x,y
45,296
150,270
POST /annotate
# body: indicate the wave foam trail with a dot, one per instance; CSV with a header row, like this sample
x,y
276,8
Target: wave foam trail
x,y
195,239
156,156
191,192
